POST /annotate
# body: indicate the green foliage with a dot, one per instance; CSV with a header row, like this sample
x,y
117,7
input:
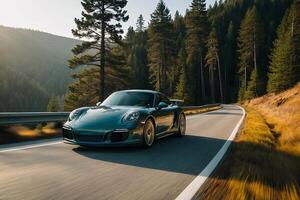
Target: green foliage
x,y
53,105
251,91
99,25
197,31
285,57
137,51
19,93
250,42
38,59
161,48
85,89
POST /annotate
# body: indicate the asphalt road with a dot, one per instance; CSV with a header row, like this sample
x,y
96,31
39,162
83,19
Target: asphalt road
x,y
60,171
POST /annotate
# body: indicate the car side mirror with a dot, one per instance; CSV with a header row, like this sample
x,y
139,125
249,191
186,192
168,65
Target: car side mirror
x,y
162,105
98,104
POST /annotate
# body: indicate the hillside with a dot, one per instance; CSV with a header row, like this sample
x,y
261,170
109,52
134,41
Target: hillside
x,y
264,161
40,58
20,93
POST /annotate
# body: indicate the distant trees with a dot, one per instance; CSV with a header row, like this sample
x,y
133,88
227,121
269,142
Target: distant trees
x,y
161,48
250,43
285,58
100,25
137,55
213,63
53,105
197,31
218,55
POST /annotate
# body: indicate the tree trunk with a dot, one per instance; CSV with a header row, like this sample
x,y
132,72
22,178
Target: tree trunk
x,y
255,59
102,62
220,79
212,84
202,80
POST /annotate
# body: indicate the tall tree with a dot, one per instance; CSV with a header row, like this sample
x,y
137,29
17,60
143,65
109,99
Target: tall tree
x,y
99,25
85,88
197,31
140,24
161,48
137,55
213,61
250,42
285,57
179,74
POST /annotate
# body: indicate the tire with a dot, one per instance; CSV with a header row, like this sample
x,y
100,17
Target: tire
x,y
148,134
181,125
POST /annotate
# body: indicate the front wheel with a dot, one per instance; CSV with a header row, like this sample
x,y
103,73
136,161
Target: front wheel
x,y
181,125
149,134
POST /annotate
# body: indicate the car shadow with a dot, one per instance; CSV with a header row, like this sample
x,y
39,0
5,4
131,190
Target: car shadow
x,y
191,154
188,155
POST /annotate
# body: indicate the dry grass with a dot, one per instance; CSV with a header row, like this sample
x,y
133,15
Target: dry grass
x,y
264,162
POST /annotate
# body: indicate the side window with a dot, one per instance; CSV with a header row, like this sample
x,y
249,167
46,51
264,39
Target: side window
x,y
166,100
158,99
162,98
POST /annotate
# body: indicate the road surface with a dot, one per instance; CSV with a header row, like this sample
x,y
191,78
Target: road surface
x,y
60,171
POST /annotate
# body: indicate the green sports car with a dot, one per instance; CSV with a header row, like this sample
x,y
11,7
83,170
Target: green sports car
x,y
131,117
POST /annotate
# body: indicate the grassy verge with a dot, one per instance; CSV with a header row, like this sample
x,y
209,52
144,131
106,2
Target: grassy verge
x,y
257,167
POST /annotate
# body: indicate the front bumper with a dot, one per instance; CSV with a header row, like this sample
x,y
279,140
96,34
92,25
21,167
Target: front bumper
x,y
118,137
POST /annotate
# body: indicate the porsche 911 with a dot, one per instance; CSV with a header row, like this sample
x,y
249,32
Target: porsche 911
x,y
131,117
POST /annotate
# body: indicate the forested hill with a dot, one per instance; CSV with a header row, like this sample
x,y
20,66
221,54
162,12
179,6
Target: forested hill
x,y
38,62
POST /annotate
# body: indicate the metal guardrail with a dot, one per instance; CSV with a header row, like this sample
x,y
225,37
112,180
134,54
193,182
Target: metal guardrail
x,y
32,117
42,117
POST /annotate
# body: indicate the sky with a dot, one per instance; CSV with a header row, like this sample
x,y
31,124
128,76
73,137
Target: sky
x,y
57,16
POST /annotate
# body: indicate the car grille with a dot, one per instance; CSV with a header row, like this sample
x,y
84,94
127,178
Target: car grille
x,y
68,134
119,135
89,138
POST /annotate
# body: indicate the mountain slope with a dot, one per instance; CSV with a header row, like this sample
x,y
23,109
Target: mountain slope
x,y
40,57
20,93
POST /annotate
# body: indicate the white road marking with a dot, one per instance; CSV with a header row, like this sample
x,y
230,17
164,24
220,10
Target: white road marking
x,y
30,146
190,191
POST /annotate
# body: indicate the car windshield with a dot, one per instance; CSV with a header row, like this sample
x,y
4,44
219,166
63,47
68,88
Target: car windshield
x,y
143,99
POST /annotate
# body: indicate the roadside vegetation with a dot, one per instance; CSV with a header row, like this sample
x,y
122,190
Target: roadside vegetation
x,y
23,133
264,161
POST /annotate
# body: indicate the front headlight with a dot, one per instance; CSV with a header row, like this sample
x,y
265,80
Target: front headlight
x,y
73,115
131,116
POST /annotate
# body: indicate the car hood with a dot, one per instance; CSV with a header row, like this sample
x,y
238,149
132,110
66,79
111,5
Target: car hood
x,y
102,118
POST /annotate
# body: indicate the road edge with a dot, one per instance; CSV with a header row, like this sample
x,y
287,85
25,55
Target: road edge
x,y
190,191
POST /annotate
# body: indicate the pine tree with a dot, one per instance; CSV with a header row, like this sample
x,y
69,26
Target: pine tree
x,y
99,24
180,61
285,59
53,105
213,61
140,24
197,32
161,48
85,89
250,41
137,52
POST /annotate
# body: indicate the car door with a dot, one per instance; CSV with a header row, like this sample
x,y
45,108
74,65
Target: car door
x,y
164,116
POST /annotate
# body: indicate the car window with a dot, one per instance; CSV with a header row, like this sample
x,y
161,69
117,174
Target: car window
x,y
142,99
162,98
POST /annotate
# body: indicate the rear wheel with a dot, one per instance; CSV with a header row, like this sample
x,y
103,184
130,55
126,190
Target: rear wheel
x,y
149,133
181,125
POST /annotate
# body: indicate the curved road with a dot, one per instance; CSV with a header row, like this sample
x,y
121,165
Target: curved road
x,y
60,171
